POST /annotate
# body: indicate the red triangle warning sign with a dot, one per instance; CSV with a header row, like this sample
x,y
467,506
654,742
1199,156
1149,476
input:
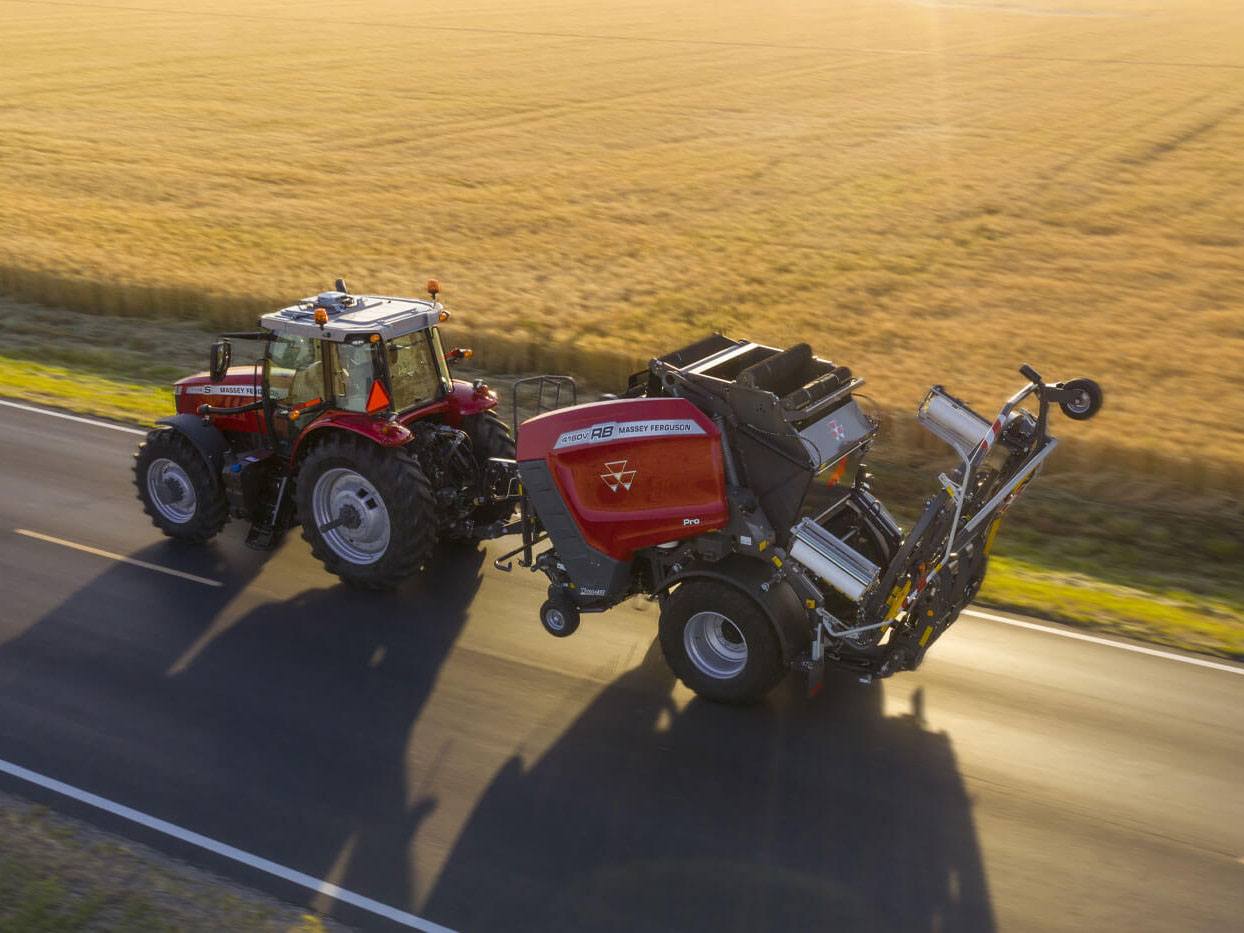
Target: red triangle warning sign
x,y
378,399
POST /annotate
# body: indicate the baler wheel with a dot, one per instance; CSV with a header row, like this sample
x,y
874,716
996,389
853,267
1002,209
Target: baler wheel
x,y
559,616
720,643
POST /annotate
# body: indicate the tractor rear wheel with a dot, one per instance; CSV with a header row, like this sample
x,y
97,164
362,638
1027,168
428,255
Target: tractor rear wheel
x,y
490,437
177,488
720,643
367,511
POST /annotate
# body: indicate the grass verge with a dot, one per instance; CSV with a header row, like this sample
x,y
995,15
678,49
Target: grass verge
x,y
79,391
1169,616
1087,546
59,875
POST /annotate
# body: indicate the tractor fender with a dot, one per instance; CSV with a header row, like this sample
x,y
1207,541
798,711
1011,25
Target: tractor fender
x,y
384,433
206,438
468,399
463,400
779,602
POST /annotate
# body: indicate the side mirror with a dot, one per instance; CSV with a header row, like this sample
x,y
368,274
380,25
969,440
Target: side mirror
x,y
218,361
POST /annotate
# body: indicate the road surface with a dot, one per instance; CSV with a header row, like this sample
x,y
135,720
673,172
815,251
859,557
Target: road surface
x,y
433,753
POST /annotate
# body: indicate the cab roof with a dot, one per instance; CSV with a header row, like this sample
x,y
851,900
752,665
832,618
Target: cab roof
x,y
349,315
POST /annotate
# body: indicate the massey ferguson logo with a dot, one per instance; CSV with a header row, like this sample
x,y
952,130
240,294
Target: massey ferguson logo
x,y
607,431
617,476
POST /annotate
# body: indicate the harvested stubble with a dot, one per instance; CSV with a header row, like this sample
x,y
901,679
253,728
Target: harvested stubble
x,y
920,189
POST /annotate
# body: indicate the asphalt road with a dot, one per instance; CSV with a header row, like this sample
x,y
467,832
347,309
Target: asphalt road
x,y
434,750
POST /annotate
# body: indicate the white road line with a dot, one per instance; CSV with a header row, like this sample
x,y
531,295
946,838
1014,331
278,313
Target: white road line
x,y
78,418
86,549
318,885
1123,646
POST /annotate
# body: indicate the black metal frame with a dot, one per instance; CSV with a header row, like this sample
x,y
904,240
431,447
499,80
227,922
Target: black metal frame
x,y
541,382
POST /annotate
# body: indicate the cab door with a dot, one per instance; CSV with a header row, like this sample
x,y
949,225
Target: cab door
x,y
294,377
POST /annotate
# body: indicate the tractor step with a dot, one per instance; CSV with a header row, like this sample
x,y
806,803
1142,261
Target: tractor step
x,y
262,537
265,535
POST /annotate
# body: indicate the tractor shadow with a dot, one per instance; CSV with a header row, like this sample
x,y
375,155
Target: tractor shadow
x,y
283,734
794,815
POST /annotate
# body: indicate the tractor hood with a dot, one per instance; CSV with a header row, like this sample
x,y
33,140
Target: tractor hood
x,y
238,381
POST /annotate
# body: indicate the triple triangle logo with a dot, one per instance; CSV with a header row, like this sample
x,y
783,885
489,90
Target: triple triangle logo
x,y
617,476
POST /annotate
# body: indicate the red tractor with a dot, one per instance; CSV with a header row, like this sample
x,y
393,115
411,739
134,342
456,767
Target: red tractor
x,y
349,424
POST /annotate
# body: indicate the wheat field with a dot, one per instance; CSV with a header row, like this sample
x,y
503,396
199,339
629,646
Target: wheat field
x,y
927,191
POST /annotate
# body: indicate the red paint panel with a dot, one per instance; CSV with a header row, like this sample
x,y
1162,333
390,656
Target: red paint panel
x,y
633,472
380,430
240,387
462,400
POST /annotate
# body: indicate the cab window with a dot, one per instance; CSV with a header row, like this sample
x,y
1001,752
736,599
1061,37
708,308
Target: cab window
x,y
294,371
353,369
413,372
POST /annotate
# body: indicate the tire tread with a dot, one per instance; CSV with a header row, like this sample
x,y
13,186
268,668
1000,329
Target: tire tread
x,y
407,495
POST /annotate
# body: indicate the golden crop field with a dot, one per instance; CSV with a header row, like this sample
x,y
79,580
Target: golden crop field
x,y
927,191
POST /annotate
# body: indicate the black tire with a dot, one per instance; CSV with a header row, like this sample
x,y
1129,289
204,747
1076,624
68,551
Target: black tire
x,y
174,513
762,667
1087,402
490,437
404,494
559,616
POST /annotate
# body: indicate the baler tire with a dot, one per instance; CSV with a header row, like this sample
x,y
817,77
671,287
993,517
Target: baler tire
x,y
211,508
559,616
407,497
490,437
762,668
1088,401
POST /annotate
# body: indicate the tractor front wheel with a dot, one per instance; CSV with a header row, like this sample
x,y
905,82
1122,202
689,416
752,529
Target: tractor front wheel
x,y
177,488
720,643
367,511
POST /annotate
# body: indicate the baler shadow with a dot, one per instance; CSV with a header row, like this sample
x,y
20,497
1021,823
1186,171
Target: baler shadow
x,y
788,816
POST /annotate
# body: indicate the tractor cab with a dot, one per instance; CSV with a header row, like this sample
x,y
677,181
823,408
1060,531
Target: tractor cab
x,y
365,355
332,354
347,423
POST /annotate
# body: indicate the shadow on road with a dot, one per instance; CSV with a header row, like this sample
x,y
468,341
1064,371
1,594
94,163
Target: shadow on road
x,y
791,816
284,733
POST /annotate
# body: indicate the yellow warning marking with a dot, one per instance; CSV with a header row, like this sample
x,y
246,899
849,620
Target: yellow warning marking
x,y
897,595
992,533
924,639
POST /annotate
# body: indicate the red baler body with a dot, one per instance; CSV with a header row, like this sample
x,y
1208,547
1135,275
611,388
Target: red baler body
x,y
634,473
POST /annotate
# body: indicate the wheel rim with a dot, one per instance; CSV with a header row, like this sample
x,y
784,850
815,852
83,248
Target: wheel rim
x,y
357,513
555,619
715,645
1081,403
170,491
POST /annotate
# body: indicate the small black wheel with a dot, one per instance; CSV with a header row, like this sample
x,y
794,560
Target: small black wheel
x,y
1085,401
177,488
559,617
720,643
490,437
